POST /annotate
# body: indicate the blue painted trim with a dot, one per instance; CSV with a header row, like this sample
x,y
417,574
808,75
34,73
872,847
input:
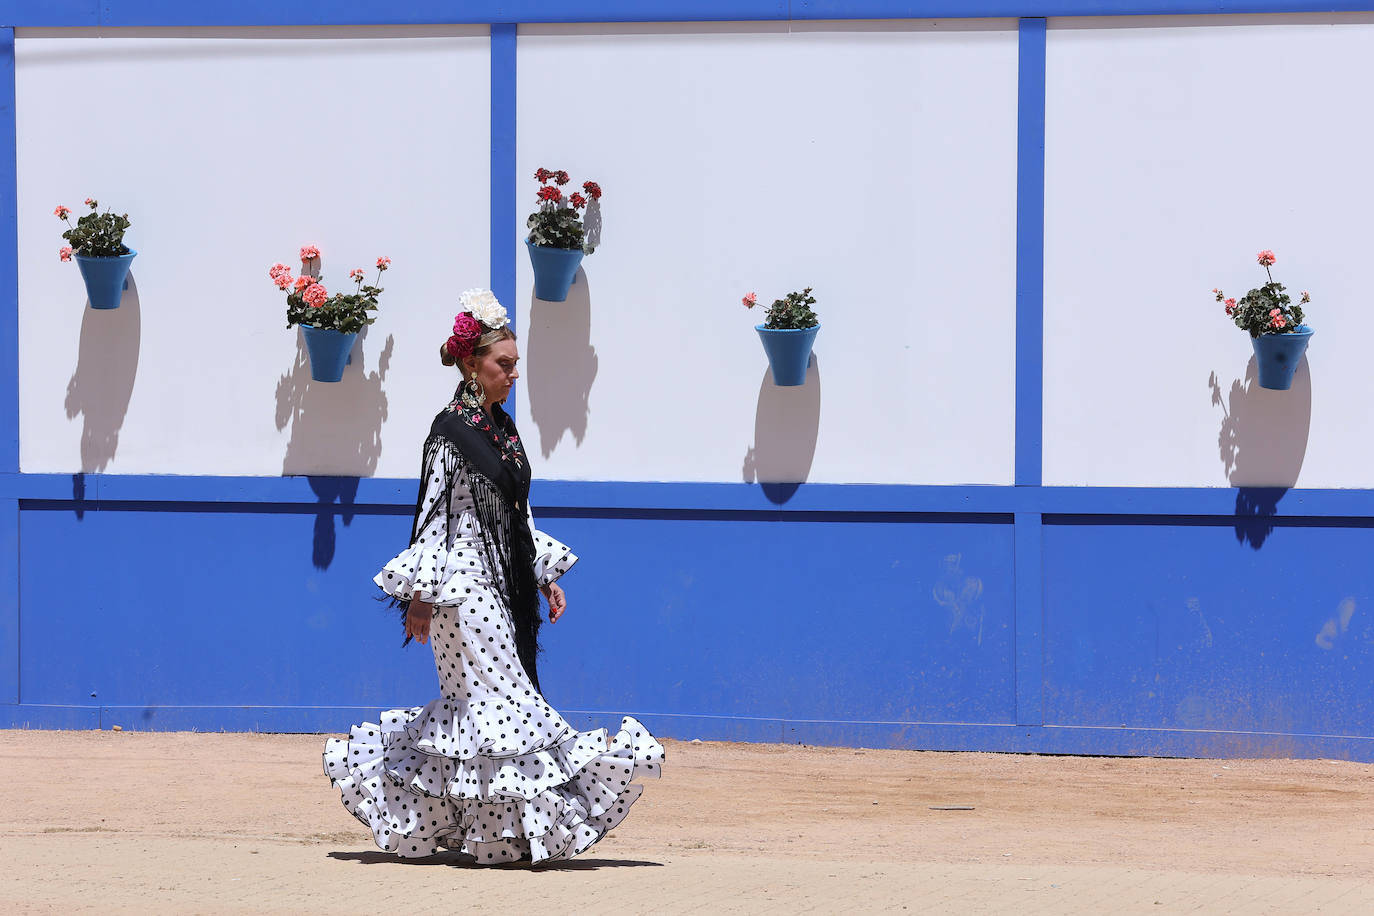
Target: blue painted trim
x,y
1129,505
1030,620
9,601
34,715
1030,251
502,183
9,262
110,13
930,736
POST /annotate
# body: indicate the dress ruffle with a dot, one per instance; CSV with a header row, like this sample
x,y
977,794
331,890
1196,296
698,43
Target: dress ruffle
x,y
419,787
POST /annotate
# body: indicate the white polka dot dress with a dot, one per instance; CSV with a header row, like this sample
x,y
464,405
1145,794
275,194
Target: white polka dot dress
x,y
488,768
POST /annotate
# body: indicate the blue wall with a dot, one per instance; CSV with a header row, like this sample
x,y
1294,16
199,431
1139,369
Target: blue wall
x,y
1024,618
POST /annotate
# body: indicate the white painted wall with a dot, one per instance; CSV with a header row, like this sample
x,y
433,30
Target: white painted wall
x,y
875,162
1175,150
229,148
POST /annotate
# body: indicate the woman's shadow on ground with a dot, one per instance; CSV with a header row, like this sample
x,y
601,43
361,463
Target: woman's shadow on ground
x,y
336,434
459,860
787,423
1262,444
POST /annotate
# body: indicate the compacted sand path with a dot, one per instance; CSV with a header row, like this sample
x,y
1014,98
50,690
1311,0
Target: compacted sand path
x,y
108,822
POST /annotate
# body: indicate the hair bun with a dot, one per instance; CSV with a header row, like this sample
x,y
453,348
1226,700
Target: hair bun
x,y
446,357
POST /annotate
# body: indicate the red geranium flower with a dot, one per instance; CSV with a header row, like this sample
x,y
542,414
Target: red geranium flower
x,y
561,177
593,189
552,195
577,200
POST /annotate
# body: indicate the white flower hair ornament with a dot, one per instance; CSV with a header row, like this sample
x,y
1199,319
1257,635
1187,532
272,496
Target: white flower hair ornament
x,y
484,306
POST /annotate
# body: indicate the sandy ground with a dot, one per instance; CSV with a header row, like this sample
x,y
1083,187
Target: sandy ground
x,y
238,823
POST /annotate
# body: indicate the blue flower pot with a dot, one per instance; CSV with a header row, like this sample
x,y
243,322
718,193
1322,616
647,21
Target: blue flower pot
x,y
106,278
328,351
554,269
1277,356
789,353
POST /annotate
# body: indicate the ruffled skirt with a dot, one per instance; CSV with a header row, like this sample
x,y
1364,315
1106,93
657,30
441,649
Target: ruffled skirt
x,y
463,775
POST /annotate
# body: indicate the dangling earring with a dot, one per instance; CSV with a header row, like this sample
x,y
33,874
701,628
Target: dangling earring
x,y
472,394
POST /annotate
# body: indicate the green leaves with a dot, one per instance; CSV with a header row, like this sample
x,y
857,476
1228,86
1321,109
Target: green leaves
x,y
1258,311
346,312
99,235
792,312
555,226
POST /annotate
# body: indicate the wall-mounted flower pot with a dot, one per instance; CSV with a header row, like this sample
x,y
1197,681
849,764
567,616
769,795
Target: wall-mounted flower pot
x,y
789,352
554,270
106,278
1277,356
329,351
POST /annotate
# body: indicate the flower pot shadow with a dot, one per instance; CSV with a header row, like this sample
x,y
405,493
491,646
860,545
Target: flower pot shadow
x,y
103,382
787,423
1262,443
563,365
591,225
335,434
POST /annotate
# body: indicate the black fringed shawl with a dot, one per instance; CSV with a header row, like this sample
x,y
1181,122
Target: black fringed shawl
x,y
487,451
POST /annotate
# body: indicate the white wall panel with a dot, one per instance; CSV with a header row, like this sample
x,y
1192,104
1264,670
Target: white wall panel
x,y
1175,150
229,148
875,162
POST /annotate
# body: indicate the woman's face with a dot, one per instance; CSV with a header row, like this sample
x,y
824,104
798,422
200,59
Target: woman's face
x,y
496,369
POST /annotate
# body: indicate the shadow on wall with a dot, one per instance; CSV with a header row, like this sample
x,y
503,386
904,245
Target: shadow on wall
x,y
559,343
336,433
103,382
1262,444
787,424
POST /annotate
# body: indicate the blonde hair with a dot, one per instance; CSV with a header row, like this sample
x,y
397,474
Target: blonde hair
x,y
484,343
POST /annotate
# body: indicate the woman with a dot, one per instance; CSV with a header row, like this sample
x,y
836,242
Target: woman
x,y
488,768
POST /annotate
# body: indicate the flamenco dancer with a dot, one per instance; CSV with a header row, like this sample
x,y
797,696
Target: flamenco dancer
x,y
488,768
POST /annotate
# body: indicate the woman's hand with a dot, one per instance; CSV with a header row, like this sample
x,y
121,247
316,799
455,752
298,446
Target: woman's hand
x,y
558,602
418,616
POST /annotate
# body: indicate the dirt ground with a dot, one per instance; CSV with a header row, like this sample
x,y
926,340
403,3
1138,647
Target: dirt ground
x,y
241,823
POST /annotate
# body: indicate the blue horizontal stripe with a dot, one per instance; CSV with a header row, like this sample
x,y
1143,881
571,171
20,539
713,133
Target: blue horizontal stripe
x,y
111,13
933,736
613,497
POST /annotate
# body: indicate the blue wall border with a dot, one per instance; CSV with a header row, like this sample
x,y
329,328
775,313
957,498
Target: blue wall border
x,y
1129,504
930,736
152,13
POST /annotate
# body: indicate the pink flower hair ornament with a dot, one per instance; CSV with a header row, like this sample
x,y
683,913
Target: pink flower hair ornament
x,y
467,330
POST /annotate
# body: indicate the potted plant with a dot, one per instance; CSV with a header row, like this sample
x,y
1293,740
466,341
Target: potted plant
x,y
1276,327
330,322
97,243
556,242
788,330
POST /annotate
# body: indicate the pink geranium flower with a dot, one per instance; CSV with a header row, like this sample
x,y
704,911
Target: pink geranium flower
x,y
750,300
61,212
315,295
355,274
1273,313
383,263
277,270
309,252
65,252
1266,258
303,281
283,280
90,201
